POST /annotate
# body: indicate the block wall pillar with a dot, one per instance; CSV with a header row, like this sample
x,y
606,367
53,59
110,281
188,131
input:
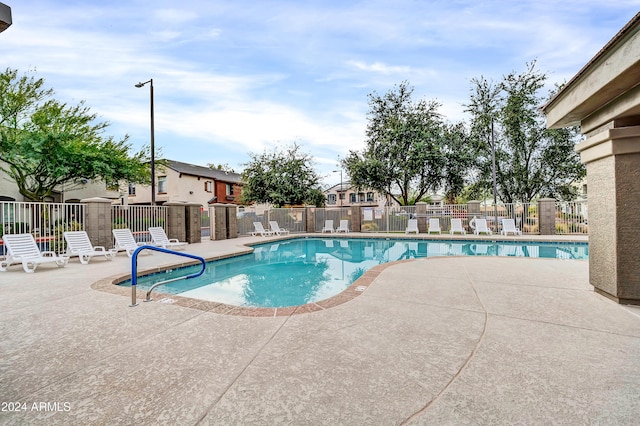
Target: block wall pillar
x,y
176,226
547,216
98,221
356,219
193,220
421,215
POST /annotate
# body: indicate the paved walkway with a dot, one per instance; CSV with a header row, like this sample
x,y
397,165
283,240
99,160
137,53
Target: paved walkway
x,y
468,340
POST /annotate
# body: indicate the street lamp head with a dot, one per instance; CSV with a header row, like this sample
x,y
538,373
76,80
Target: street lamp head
x,y
142,84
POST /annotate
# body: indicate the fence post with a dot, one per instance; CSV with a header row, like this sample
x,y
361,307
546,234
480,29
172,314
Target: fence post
x,y
356,219
176,220
232,220
97,221
193,215
473,209
421,215
310,218
219,222
547,216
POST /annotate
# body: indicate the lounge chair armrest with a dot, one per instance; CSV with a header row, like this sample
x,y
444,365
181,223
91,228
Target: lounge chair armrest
x,y
173,240
49,253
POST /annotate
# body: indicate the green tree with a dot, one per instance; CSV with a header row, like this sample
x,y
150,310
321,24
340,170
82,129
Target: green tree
x,y
531,160
282,177
460,157
45,144
403,157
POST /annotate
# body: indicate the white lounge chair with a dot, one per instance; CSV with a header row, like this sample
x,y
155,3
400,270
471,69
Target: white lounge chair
x,y
260,230
22,248
509,225
343,227
160,239
412,226
276,228
79,244
125,241
456,227
434,226
480,226
328,226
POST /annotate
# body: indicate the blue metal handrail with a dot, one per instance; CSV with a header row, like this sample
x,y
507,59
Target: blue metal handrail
x,y
134,269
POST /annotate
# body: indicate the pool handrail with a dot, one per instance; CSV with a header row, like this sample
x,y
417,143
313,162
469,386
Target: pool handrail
x,y
134,270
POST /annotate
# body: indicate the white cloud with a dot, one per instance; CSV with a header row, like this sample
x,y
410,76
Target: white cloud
x,y
240,76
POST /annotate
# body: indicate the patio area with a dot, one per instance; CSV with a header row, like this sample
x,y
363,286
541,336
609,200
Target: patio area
x,y
449,340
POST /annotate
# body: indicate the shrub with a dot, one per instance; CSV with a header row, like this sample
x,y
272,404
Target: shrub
x,y
370,227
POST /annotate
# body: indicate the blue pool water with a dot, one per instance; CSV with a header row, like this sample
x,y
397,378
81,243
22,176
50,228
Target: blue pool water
x,y
298,271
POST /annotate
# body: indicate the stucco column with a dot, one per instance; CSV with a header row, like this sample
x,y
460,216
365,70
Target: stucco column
x,y
176,221
421,215
613,175
98,222
547,216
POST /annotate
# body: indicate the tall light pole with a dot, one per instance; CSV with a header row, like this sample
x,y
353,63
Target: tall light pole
x,y
341,188
493,170
153,148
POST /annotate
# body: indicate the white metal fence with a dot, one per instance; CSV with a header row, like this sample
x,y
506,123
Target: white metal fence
x,y
572,217
46,221
138,219
292,219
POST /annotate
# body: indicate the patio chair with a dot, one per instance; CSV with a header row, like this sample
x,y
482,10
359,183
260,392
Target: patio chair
x,y
22,248
160,239
260,230
328,226
509,225
276,228
480,226
125,241
412,226
343,227
456,227
79,244
434,226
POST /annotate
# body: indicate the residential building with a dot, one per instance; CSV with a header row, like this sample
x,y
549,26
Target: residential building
x,y
346,195
189,183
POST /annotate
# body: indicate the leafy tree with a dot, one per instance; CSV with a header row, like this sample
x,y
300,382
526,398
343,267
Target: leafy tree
x,y
45,143
531,160
282,177
460,160
403,157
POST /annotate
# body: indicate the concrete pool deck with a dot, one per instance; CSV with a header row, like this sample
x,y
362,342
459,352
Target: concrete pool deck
x,y
451,340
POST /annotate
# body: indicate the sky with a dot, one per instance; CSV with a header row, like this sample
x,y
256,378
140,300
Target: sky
x,y
232,78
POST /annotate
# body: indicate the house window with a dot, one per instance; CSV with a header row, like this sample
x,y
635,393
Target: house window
x,y
370,197
331,199
361,196
353,197
229,189
208,186
132,189
162,184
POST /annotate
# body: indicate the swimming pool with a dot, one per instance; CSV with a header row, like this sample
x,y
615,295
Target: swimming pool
x,y
304,270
